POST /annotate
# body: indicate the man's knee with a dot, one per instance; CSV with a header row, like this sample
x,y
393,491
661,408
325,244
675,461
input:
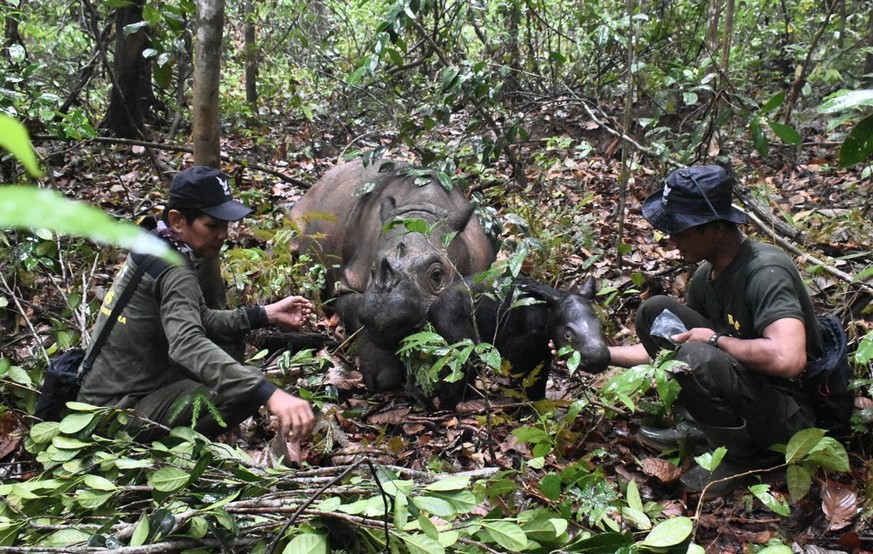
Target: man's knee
x,y
711,370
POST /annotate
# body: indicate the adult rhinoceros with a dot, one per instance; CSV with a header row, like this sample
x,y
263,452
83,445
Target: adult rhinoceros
x,y
385,277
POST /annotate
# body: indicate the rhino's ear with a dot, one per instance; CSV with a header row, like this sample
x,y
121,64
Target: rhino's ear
x,y
589,288
541,291
387,208
458,220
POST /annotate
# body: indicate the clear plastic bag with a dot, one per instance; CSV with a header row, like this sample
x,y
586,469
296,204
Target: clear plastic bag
x,y
666,325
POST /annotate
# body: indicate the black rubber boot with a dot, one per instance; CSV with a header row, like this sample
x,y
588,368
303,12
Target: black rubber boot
x,y
728,475
685,434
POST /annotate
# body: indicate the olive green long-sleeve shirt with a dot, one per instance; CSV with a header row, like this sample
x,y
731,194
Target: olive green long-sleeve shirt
x,y
166,333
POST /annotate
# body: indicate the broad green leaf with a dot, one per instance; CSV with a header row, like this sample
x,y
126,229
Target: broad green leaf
x,y
198,527
829,454
82,407
774,102
75,422
69,443
435,506
801,443
858,145
851,99
710,460
421,544
788,134
799,481
65,538
394,486
141,532
401,511
91,500
427,527
863,354
307,543
42,433
636,518
99,483
31,207
462,501
330,504
544,526
695,549
777,505
130,463
550,486
454,483
13,137
507,534
669,533
168,479
759,139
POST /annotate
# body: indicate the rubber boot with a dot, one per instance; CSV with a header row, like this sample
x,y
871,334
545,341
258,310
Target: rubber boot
x,y
740,458
685,434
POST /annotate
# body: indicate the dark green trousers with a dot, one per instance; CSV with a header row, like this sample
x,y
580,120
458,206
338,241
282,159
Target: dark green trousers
x,y
719,391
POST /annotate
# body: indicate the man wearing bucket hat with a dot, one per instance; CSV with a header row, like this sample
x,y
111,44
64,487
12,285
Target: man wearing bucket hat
x,y
744,333
165,346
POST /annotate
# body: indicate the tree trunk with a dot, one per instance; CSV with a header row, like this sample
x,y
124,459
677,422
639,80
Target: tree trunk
x,y
131,93
712,28
868,62
251,55
207,73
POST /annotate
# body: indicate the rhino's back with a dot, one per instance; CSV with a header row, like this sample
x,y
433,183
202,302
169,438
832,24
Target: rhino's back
x,y
341,217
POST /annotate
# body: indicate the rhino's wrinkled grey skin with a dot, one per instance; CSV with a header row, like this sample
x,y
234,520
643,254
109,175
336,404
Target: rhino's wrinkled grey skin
x,y
385,278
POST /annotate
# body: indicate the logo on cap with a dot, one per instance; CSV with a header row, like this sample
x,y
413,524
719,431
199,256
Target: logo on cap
x,y
224,185
666,193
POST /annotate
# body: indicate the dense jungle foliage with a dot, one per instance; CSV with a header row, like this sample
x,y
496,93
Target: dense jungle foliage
x,y
557,118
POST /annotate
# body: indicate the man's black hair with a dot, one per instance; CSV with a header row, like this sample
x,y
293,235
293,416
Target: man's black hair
x,y
190,214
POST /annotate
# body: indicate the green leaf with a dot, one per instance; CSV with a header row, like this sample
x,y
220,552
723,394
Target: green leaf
x,y
759,138
13,137
550,486
421,544
776,549
799,481
454,483
669,533
435,506
848,100
710,460
69,443
858,144
141,533
75,422
31,207
42,433
829,454
168,479
99,483
507,534
762,493
65,538
401,511
774,102
801,443
788,134
307,543
863,354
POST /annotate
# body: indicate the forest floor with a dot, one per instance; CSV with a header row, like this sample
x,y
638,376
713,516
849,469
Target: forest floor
x,y
394,429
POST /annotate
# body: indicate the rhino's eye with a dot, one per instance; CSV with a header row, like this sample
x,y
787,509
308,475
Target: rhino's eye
x,y
436,278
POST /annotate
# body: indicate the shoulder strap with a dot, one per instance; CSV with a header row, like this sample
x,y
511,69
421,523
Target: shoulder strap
x,y
113,316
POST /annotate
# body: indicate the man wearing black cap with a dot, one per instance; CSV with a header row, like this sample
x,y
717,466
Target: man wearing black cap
x,y
747,330
164,347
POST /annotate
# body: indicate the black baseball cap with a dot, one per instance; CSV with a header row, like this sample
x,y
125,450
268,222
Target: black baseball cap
x,y
207,189
693,196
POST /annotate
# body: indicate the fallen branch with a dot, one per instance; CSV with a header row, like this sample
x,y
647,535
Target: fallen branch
x,y
188,150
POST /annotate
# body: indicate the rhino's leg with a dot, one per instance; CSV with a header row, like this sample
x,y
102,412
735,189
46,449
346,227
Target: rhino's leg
x,y
382,369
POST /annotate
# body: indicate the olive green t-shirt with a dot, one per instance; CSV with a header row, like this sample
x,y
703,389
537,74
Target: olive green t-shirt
x,y
761,285
166,333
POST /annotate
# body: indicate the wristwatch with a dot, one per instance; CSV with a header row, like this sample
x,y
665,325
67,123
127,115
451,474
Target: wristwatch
x,y
713,340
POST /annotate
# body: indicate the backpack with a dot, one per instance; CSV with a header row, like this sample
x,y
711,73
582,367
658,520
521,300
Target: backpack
x,y
825,381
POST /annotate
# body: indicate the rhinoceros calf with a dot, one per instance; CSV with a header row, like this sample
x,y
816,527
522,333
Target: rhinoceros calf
x,y
384,278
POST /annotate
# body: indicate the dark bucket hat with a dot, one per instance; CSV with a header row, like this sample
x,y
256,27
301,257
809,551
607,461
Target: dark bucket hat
x,y
692,196
208,190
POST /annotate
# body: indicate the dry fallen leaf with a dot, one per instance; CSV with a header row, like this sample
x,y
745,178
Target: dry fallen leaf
x,y
839,503
395,416
661,469
10,434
